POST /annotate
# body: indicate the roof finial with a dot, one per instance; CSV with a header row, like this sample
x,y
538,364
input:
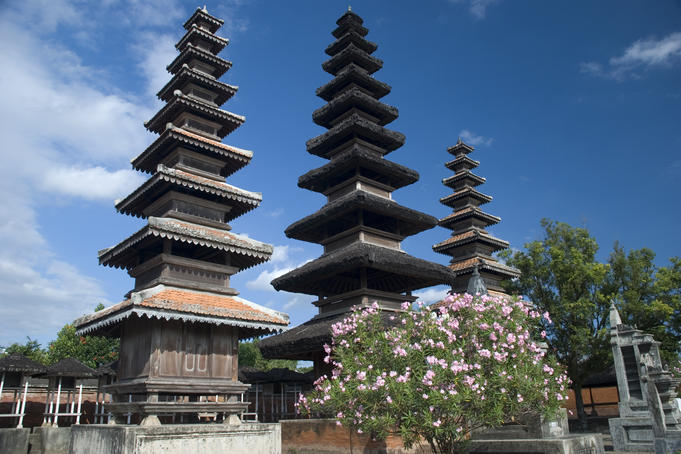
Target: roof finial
x,y
459,140
204,8
349,8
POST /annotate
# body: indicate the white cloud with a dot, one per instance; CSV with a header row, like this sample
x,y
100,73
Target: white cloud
x,y
477,8
66,132
92,183
280,254
476,141
642,54
262,282
155,52
432,294
295,301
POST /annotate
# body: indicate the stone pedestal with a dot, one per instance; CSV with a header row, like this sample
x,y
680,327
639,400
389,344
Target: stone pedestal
x,y
180,439
536,434
14,441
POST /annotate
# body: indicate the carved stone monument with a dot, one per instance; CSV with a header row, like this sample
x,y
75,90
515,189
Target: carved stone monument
x,y
649,418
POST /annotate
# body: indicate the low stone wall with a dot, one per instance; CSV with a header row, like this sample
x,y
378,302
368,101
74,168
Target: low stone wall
x,y
14,441
180,438
324,436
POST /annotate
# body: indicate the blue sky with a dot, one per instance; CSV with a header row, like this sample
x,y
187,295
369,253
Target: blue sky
x,y
574,108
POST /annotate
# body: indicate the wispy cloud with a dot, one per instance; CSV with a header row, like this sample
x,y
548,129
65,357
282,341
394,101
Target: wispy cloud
x,y
642,55
66,132
472,139
477,8
432,294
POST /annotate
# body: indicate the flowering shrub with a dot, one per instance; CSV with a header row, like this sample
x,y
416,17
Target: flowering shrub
x,y
436,375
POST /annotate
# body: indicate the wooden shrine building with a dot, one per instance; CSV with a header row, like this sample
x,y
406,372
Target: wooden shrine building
x,y
181,323
470,246
360,227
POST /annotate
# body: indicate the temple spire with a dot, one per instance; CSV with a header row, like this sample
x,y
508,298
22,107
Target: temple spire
x,y
470,246
183,319
361,226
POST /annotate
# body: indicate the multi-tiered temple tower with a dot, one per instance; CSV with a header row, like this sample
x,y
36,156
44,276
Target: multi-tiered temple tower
x,y
470,245
361,226
180,326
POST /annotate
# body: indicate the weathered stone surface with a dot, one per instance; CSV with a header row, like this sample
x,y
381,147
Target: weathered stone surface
x,y
14,441
649,417
531,426
54,440
570,444
171,439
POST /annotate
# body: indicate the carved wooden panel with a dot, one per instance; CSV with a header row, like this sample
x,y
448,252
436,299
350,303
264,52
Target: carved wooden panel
x,y
195,361
171,349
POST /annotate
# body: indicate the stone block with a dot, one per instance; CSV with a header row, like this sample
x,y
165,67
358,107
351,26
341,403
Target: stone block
x,y
177,438
53,440
14,441
569,444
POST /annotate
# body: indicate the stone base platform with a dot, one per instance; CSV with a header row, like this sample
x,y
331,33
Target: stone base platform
x,y
247,438
568,444
324,436
14,441
636,434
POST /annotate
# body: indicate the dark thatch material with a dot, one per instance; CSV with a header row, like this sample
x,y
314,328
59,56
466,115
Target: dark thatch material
x,y
349,21
308,339
388,270
353,74
107,369
354,98
371,164
19,363
355,125
352,54
312,228
353,37
69,367
253,376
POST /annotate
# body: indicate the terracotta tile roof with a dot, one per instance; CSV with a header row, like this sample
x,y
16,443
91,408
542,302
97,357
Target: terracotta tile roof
x,y
492,265
174,303
215,143
470,235
460,159
466,190
465,173
254,251
461,236
207,304
465,211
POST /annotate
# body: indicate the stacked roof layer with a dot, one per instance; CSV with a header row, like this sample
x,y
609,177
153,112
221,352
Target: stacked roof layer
x,y
361,227
470,246
186,244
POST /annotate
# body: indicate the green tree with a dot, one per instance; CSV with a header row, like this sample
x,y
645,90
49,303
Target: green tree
x,y
92,351
560,275
31,349
249,355
646,296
